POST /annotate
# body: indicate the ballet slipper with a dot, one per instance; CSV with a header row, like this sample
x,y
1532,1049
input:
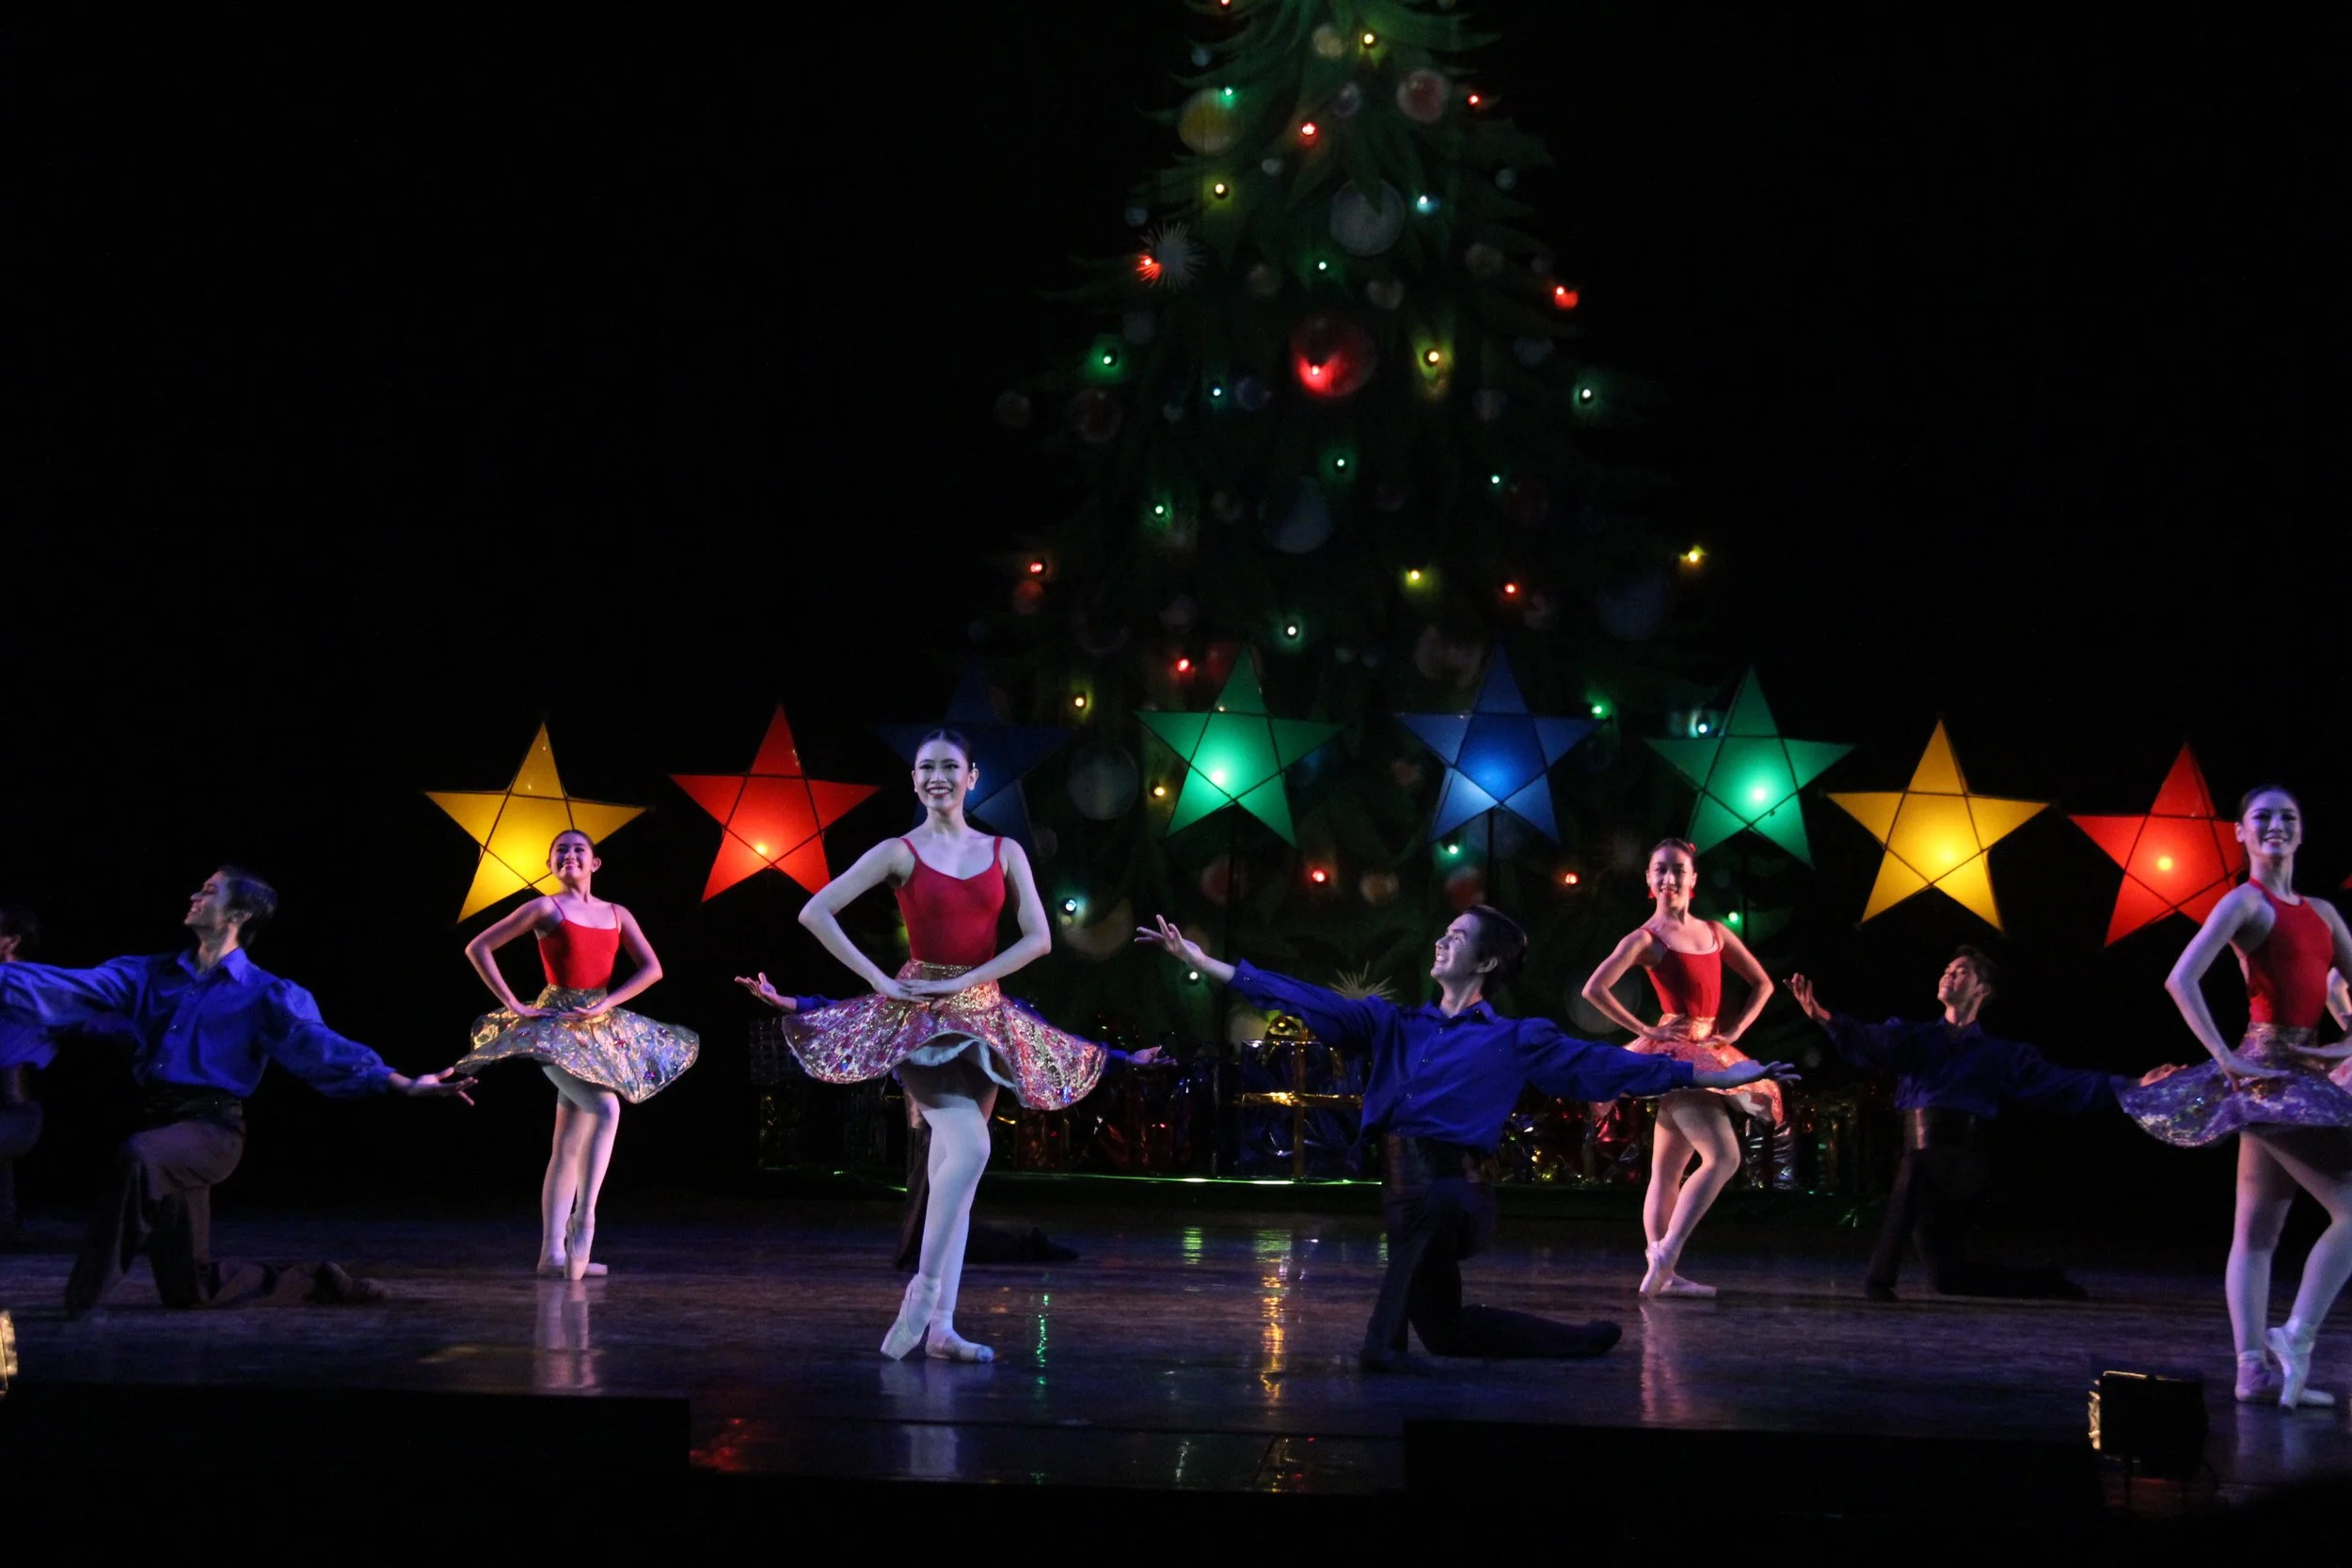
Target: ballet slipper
x,y
941,1342
1661,1279
560,1269
2293,1352
580,1240
914,1316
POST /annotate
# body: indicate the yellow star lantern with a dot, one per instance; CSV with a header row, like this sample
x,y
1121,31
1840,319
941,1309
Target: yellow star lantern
x,y
515,826
1936,834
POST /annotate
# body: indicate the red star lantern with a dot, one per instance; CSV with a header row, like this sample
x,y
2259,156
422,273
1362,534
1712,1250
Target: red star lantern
x,y
2179,857
774,814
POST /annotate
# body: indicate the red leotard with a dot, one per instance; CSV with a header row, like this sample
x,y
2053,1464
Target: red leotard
x,y
952,920
580,958
2286,978
1689,985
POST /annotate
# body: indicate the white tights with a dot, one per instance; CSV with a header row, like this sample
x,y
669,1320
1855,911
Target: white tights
x,y
2271,1166
1690,1122
586,1119
954,1099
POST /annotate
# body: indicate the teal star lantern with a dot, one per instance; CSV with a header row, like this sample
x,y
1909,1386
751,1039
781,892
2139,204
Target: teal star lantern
x,y
1747,776
1497,754
1237,754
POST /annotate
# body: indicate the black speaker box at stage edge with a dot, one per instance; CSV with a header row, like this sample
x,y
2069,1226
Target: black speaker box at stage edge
x,y
2156,1420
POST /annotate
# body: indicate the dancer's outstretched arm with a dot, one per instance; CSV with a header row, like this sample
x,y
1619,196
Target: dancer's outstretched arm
x,y
1333,1017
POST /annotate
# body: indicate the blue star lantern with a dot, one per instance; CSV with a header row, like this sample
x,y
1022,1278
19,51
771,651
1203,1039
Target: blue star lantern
x,y
1001,753
1497,754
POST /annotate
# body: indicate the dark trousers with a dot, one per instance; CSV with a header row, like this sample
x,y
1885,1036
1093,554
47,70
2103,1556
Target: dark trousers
x,y
1938,1185
159,1201
20,1129
1439,1202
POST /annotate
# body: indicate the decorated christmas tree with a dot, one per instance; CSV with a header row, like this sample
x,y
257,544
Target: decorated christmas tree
x,y
1363,555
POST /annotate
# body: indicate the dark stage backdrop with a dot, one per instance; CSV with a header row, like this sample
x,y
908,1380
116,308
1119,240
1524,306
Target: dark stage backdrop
x,y
369,398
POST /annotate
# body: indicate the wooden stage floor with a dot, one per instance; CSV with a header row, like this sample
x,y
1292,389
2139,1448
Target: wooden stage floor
x,y
1185,1349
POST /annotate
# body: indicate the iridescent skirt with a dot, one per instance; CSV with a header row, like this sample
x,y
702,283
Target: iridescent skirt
x,y
633,1057
1697,1046
2197,1105
868,1036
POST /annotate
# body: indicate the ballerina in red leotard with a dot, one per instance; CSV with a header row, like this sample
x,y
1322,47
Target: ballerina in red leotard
x,y
1686,957
2294,1124
941,1023
596,1052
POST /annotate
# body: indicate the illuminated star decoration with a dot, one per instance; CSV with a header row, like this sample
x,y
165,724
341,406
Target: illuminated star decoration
x,y
2180,856
774,814
1236,754
515,826
1936,834
1001,753
1497,754
1748,776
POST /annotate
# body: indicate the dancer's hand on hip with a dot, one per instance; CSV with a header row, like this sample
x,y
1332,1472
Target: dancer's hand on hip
x,y
2237,1068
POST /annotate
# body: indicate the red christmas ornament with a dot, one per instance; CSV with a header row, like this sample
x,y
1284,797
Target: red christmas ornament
x,y
1331,356
1093,416
2179,857
1422,96
774,814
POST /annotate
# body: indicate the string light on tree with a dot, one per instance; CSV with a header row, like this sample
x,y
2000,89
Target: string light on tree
x,y
1563,296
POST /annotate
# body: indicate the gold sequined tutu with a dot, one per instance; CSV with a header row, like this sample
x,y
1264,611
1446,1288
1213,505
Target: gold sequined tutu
x,y
1695,1044
632,1056
868,1036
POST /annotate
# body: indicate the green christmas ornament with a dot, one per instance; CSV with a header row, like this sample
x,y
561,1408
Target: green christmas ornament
x,y
1747,776
1237,754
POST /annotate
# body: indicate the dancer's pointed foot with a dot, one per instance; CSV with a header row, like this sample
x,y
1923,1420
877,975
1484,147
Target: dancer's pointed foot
x,y
2293,1352
914,1316
941,1342
1661,1269
1678,1286
558,1268
579,1239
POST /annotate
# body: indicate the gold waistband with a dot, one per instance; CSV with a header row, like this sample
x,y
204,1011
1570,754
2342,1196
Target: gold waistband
x,y
1689,1028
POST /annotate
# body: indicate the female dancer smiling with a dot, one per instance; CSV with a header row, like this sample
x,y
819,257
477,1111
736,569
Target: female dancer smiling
x,y
2294,1124
941,1023
595,1052
1685,957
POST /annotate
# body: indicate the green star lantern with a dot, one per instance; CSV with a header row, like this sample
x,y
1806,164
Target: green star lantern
x,y
1747,776
1236,754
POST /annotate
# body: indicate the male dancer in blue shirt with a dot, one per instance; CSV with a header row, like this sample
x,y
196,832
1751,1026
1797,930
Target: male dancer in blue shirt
x,y
206,1024
1952,1078
1443,1077
22,1049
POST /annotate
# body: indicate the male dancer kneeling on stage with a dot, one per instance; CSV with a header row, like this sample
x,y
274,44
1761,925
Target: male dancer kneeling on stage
x,y
206,1024
1443,1077
1952,1079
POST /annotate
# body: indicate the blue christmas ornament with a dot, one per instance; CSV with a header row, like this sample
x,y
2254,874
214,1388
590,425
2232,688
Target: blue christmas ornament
x,y
1497,754
1001,753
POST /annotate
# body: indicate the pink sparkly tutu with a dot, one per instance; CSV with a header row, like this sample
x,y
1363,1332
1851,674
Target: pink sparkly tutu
x,y
868,1036
1697,1045
2198,1106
